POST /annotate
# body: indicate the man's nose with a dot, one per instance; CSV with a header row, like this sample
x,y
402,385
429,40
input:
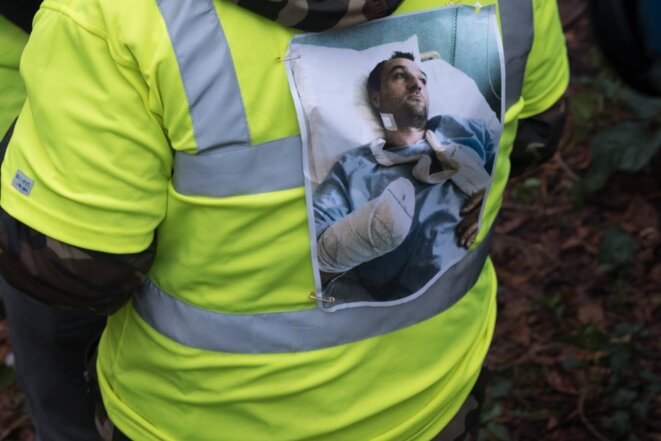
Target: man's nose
x,y
415,83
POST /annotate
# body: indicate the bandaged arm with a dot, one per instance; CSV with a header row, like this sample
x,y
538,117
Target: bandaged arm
x,y
370,231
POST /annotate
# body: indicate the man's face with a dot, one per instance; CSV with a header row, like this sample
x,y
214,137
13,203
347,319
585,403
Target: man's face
x,y
403,90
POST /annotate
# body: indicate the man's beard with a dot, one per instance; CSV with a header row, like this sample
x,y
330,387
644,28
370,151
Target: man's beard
x,y
417,112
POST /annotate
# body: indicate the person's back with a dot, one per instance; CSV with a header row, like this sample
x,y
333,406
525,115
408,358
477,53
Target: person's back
x,y
171,124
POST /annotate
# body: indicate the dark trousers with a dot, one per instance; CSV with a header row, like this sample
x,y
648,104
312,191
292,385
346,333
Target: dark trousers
x,y
49,347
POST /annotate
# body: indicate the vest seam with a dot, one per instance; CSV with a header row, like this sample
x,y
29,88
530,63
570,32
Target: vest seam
x,y
92,30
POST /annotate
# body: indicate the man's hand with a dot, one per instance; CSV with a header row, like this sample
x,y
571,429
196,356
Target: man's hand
x,y
467,228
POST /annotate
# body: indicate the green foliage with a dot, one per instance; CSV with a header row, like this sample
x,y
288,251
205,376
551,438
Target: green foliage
x,y
491,413
7,376
527,192
585,106
640,410
499,387
554,303
641,106
625,123
628,146
570,363
616,250
493,430
588,337
630,386
499,432
630,389
619,422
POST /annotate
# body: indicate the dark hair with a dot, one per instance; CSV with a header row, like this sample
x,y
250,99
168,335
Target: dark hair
x,y
374,79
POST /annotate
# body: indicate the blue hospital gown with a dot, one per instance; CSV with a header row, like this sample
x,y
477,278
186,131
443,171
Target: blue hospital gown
x,y
431,245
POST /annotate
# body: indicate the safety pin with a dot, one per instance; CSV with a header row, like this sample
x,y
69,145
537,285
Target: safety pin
x,y
314,296
287,58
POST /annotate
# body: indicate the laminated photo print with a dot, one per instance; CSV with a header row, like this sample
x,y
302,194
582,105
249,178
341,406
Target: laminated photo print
x,y
400,120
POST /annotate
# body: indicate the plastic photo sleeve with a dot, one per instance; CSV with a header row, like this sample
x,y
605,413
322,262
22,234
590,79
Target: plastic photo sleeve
x,y
400,120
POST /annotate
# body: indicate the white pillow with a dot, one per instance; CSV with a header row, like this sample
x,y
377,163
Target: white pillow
x,y
452,92
330,84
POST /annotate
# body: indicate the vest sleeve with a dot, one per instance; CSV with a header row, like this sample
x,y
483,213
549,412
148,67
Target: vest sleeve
x,y
12,92
547,69
89,162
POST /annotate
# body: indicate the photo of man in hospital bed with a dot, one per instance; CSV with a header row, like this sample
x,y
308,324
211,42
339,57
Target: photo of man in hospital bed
x,y
392,214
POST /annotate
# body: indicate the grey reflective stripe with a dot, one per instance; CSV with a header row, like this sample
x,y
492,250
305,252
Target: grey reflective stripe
x,y
272,166
227,163
207,71
305,330
517,22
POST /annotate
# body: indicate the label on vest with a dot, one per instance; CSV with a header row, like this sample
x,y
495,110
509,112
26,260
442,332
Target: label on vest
x,y
400,120
22,183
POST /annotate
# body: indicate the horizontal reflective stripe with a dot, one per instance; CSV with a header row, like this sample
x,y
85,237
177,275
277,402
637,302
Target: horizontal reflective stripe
x,y
272,166
305,330
516,18
207,71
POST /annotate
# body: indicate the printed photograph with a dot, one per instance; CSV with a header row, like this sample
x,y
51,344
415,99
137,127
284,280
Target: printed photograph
x,y
400,123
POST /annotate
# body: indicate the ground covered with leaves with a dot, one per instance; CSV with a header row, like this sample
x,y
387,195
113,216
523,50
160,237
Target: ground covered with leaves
x,y
576,353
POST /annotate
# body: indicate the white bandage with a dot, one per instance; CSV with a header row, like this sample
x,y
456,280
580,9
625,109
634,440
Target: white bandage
x,y
372,230
470,175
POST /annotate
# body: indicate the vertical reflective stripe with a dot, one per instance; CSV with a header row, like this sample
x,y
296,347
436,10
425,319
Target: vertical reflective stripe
x,y
207,71
518,26
306,330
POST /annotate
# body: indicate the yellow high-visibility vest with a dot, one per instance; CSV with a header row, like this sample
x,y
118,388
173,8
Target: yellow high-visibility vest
x,y
12,92
176,117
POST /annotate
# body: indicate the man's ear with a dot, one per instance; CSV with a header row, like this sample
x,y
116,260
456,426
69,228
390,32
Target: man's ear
x,y
375,99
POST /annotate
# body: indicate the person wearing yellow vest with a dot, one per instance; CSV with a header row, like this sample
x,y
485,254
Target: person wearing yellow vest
x,y
12,91
156,174
48,344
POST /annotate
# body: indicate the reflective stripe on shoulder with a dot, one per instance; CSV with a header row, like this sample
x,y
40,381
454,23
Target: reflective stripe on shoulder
x,y
207,72
226,164
516,17
306,330
272,166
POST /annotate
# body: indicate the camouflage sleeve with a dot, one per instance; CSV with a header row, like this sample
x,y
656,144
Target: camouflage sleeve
x,y
66,276
315,15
